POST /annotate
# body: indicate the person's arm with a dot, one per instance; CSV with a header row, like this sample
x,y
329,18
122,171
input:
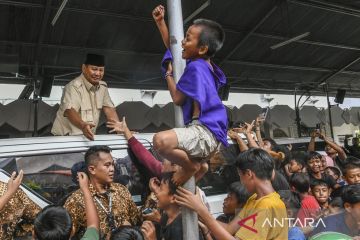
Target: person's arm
x,y
141,153
12,186
235,137
158,15
177,96
110,113
337,148
258,132
206,232
311,146
187,199
76,120
251,141
92,218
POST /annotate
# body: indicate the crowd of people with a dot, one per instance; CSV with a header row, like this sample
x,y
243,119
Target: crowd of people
x,y
280,193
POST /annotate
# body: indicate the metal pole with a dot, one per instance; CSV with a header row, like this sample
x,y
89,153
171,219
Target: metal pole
x,y
326,88
297,111
189,218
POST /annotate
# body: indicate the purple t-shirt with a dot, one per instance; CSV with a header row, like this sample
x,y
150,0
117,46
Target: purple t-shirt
x,y
200,82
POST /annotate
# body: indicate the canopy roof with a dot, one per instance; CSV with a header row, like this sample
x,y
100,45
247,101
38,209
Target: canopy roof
x,y
125,32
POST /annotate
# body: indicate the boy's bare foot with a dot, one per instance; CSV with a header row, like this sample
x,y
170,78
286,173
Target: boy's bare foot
x,y
182,175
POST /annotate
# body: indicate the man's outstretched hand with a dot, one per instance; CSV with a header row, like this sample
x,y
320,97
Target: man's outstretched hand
x,y
86,129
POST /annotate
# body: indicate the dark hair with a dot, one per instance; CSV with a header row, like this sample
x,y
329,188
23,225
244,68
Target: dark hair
x,y
166,177
240,192
279,182
351,194
53,222
349,166
300,181
291,200
335,170
319,182
212,35
92,154
272,142
299,158
336,202
311,155
352,159
127,233
258,161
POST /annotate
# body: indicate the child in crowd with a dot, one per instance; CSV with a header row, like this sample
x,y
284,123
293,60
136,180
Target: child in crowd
x,y
256,169
54,222
335,173
335,206
299,183
313,163
205,116
170,227
346,222
321,191
296,164
351,171
292,206
234,202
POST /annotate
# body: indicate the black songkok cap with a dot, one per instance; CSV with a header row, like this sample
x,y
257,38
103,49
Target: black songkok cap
x,y
95,59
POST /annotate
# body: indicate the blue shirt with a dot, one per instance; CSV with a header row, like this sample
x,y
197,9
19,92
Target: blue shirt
x,y
295,233
333,223
200,82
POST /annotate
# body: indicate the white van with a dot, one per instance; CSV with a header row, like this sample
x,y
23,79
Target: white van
x,y
46,162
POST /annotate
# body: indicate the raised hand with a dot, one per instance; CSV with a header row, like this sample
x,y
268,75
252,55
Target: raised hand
x,y
119,127
249,126
14,182
187,199
148,230
83,181
158,13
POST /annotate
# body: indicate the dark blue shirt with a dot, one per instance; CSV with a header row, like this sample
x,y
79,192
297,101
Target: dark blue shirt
x,y
333,223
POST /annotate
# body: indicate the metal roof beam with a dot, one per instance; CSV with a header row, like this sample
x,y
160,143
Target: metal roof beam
x,y
197,11
288,67
77,10
337,8
308,42
331,76
248,35
85,49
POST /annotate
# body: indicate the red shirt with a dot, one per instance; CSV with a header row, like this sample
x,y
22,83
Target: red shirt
x,y
309,209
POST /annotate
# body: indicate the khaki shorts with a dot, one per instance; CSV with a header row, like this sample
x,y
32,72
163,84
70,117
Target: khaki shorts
x,y
197,141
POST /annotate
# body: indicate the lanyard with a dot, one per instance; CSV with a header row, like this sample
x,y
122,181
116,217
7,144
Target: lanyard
x,y
102,206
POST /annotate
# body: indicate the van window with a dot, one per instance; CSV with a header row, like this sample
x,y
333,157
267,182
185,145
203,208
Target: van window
x,y
50,175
